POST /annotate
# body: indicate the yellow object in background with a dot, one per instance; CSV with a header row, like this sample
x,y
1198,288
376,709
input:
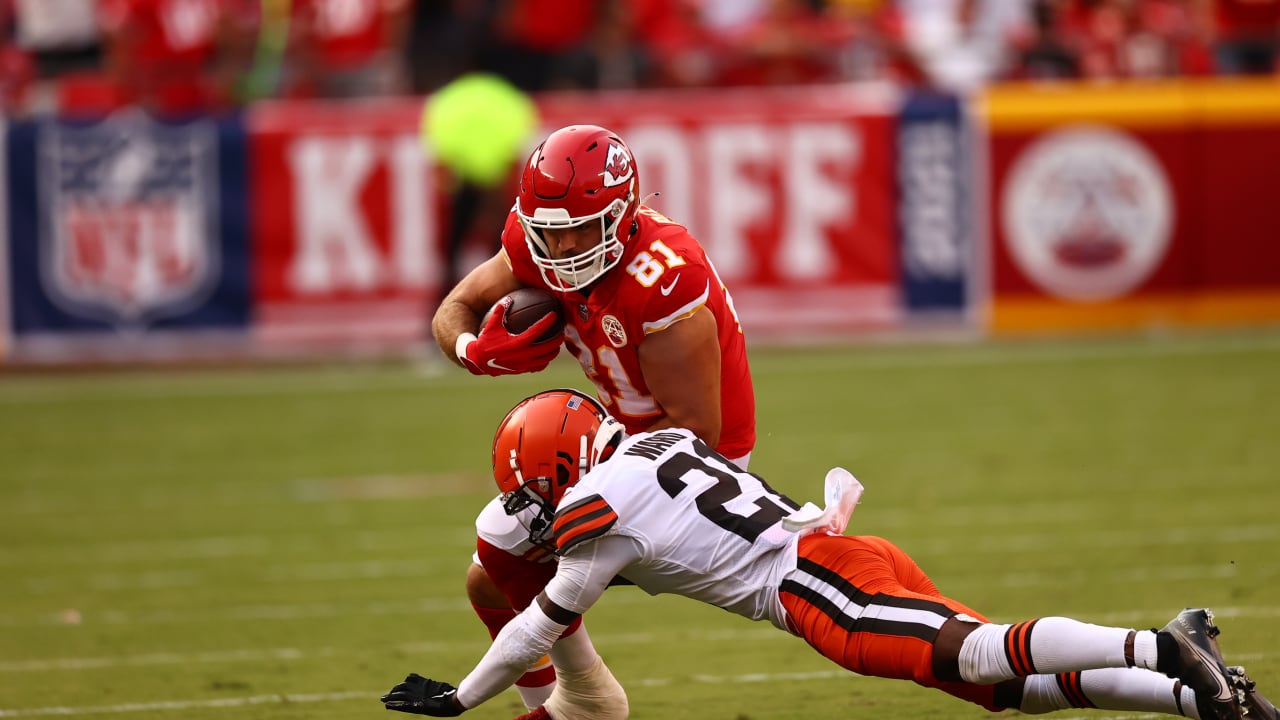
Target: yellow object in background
x,y
477,126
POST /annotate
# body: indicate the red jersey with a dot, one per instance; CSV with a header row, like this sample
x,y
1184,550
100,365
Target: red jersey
x,y
164,49
664,277
164,32
346,33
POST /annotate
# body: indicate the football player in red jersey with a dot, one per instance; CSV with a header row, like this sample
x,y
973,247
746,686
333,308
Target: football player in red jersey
x,y
648,319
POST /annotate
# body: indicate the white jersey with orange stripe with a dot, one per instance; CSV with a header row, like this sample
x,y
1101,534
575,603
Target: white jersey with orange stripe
x,y
702,527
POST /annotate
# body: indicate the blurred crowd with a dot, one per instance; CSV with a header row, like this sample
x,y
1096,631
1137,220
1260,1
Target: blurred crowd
x,y
199,56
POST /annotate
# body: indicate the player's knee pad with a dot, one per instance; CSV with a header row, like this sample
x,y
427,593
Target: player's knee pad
x,y
592,694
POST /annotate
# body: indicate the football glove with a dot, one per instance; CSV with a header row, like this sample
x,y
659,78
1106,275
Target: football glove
x,y
498,351
423,696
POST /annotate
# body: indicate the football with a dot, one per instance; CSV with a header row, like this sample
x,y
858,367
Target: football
x,y
528,306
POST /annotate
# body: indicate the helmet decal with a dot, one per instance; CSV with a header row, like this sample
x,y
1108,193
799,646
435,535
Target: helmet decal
x,y
618,167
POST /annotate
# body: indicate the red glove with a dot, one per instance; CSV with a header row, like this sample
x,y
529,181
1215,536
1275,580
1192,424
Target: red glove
x,y
498,351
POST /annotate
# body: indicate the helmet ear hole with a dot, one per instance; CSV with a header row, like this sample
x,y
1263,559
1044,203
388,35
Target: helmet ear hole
x,y
609,449
607,440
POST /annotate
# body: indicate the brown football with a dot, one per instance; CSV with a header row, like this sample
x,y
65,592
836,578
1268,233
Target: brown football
x,y
528,306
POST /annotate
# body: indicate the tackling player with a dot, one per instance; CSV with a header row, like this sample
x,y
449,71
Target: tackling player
x,y
674,516
647,318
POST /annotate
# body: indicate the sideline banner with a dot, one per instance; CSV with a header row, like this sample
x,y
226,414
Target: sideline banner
x,y
123,234
316,226
1133,205
791,191
344,223
935,223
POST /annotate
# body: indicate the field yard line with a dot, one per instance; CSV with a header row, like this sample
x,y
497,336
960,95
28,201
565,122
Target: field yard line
x,y
421,648
48,584
279,699
72,616
352,695
75,616
425,648
84,663
107,554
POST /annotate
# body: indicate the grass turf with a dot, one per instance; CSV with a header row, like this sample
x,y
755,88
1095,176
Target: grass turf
x,y
289,542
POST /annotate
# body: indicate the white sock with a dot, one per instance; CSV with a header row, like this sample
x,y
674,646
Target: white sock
x,y
1108,689
1144,649
535,696
993,653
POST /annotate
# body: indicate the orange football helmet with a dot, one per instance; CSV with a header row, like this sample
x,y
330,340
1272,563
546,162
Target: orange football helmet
x,y
544,446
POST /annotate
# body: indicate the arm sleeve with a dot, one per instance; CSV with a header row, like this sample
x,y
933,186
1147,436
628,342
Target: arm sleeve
x,y
588,569
522,641
581,578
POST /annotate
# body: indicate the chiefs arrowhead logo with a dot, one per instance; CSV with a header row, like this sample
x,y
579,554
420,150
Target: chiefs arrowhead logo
x,y
618,167
613,330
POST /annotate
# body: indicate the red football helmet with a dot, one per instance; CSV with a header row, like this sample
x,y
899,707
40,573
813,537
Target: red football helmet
x,y
580,173
544,446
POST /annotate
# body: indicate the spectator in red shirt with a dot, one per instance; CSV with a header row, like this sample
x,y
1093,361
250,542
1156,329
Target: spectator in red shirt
x,y
681,50
346,48
162,53
787,43
544,44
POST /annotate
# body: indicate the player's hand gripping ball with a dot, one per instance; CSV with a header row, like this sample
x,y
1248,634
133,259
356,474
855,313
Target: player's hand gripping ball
x,y
528,306
520,334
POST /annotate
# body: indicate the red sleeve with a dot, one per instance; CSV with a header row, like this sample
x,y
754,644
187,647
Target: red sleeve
x,y
518,255
679,290
519,579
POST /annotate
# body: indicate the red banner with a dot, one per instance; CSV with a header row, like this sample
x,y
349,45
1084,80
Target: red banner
x,y
791,191
1133,206
344,222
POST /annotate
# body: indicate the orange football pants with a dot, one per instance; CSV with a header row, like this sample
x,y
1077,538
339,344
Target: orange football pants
x,y
864,603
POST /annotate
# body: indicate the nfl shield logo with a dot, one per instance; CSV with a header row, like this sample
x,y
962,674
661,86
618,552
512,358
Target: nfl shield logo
x,y
130,208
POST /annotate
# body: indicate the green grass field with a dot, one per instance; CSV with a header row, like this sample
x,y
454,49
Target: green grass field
x,y
290,542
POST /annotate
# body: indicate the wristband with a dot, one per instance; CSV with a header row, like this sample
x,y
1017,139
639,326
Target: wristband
x,y
460,347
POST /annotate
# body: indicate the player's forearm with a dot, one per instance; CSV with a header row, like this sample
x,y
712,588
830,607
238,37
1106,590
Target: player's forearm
x,y
520,643
453,318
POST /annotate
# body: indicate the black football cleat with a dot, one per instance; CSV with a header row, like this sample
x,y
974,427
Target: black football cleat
x,y
1199,664
1256,707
